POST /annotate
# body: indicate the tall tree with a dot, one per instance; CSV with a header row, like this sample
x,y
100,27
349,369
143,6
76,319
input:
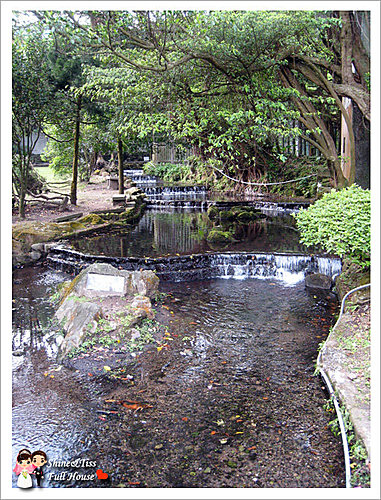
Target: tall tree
x,y
32,102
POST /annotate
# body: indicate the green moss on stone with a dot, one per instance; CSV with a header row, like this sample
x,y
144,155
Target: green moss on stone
x,y
218,236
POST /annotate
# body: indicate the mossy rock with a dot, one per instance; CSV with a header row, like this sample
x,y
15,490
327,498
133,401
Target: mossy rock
x,y
220,237
28,233
245,216
213,212
227,215
92,219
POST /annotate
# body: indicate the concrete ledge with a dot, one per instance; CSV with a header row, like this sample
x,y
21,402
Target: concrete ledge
x,y
344,372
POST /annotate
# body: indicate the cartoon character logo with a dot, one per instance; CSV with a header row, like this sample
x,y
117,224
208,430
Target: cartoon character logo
x,y
39,459
28,463
24,468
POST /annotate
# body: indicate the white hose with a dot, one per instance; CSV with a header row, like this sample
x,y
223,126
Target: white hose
x,y
333,395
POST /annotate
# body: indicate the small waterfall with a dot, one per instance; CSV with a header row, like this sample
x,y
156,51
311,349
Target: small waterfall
x,y
185,193
290,269
132,173
287,268
140,178
327,266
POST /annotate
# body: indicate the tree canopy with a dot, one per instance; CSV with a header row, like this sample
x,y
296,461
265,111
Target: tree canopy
x,y
237,86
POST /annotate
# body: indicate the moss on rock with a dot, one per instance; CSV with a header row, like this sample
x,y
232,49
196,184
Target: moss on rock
x,y
91,219
213,212
220,237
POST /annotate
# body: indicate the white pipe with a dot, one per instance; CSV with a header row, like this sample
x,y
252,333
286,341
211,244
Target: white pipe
x,y
333,396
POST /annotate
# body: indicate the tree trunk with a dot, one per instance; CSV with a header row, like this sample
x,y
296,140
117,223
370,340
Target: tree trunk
x,y
361,128
74,182
22,202
322,140
120,166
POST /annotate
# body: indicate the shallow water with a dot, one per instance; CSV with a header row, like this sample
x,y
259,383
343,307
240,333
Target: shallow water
x,y
162,233
242,354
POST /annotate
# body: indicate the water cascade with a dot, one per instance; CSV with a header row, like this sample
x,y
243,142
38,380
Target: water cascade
x,y
176,196
289,268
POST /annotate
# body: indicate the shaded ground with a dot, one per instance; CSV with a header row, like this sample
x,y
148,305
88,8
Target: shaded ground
x,y
90,197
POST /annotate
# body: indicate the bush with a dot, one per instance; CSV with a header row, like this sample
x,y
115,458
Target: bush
x,y
340,223
169,172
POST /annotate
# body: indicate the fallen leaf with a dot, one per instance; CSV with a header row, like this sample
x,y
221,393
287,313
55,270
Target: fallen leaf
x,y
136,406
106,368
213,432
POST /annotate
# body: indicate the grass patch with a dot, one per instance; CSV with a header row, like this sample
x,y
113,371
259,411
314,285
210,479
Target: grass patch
x,y
50,176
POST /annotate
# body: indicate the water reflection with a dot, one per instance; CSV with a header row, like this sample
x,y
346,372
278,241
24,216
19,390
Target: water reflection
x,y
161,233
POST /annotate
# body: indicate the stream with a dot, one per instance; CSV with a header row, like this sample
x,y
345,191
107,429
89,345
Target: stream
x,y
231,401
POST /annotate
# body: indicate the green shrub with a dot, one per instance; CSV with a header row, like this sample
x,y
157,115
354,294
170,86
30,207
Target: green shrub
x,y
169,172
340,223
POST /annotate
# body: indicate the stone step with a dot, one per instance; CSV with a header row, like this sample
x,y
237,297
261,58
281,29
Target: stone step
x,y
66,218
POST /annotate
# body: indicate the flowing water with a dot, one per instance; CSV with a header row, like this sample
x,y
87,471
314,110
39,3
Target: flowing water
x,y
234,402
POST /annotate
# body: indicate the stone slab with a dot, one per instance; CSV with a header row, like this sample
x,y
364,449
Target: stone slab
x,y
105,283
119,199
66,218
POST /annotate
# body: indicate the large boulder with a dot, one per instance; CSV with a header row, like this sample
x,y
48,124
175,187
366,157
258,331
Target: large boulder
x,y
99,291
99,280
79,319
318,282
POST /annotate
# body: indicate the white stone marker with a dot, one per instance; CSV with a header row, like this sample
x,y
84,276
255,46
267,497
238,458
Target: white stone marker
x,y
105,283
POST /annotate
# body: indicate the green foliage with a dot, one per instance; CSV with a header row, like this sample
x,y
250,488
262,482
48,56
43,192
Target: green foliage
x,y
169,172
59,153
340,223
